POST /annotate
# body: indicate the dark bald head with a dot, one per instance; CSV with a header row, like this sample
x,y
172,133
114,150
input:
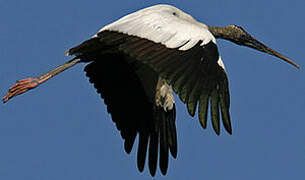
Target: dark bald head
x,y
239,36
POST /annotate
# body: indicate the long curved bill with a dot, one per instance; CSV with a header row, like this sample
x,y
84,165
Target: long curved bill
x,y
241,37
255,44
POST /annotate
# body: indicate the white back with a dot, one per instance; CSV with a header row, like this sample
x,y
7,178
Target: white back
x,y
163,24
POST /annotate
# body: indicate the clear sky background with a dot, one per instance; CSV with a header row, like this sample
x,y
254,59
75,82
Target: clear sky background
x,y
62,131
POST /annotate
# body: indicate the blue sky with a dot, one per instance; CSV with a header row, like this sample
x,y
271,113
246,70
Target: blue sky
x,y
61,130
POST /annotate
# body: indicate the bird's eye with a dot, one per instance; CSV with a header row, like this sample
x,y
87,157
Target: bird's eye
x,y
174,13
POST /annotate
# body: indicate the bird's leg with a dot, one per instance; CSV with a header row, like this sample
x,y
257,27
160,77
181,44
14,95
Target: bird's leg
x,y
24,85
20,87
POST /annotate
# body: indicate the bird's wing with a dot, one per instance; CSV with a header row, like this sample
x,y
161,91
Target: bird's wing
x,y
197,75
182,51
179,49
129,91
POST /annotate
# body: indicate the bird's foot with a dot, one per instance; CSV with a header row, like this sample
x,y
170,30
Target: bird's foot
x,y
20,87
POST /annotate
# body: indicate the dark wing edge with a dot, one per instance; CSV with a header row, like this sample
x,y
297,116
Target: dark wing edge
x,y
205,82
206,86
133,111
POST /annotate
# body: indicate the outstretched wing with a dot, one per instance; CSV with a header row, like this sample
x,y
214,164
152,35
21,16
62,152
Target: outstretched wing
x,y
180,49
129,91
197,75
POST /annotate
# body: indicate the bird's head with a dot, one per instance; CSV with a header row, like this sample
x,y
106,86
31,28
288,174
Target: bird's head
x,y
239,36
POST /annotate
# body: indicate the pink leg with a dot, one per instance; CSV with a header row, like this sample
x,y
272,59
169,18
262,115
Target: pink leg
x,y
24,85
20,87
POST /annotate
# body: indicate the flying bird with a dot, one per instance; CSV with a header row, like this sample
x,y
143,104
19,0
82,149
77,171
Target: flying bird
x,y
136,64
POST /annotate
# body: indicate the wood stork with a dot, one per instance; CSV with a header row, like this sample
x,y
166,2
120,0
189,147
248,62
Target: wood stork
x,y
138,61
